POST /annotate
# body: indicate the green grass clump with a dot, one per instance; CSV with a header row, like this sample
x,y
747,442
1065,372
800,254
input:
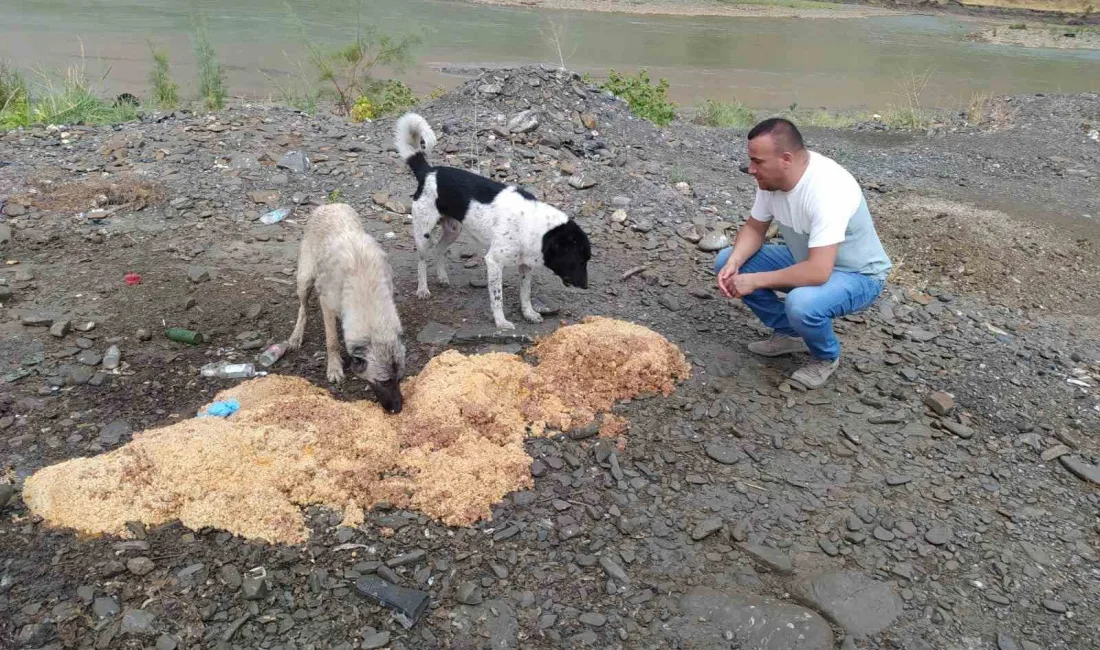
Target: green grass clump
x,y
725,114
646,100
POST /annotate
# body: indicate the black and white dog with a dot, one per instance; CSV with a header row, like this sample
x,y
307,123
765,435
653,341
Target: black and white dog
x,y
518,229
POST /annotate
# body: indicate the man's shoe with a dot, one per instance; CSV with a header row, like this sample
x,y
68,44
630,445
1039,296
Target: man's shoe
x,y
777,346
816,373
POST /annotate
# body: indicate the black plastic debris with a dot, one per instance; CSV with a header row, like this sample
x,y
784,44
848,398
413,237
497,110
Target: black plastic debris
x,y
408,605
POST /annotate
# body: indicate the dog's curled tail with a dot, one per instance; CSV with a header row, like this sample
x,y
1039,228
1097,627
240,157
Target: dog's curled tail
x,y
411,131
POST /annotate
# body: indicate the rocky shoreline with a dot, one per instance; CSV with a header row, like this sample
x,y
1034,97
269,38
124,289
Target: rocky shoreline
x,y
940,493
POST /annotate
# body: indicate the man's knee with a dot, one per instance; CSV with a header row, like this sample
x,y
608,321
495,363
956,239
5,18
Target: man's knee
x,y
722,258
801,304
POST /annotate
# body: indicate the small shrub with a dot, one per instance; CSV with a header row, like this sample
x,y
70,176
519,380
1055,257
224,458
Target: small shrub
x,y
1018,26
645,99
725,114
393,96
383,98
349,70
362,110
334,196
212,89
165,91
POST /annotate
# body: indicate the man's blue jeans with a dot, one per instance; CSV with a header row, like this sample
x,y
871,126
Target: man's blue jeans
x,y
809,311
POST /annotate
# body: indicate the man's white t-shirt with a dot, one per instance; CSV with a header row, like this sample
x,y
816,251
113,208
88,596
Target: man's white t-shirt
x,y
826,207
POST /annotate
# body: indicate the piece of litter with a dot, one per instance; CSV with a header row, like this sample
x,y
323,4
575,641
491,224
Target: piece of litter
x,y
275,216
407,605
220,409
132,279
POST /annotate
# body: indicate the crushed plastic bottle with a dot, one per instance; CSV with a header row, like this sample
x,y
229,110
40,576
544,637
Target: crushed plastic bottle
x,y
227,370
275,216
112,358
273,353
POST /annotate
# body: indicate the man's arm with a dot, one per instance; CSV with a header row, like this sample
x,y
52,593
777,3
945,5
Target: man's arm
x,y
813,272
750,238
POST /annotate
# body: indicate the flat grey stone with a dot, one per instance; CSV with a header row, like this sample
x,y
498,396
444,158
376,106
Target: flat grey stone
x,y
197,274
436,334
138,622
36,320
612,568
960,430
593,619
106,607
939,535
295,161
468,593
376,640
725,454
1005,642
711,617
861,605
773,558
112,433
1082,470
706,528
59,329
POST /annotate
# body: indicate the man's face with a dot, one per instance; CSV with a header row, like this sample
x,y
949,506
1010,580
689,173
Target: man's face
x,y
767,164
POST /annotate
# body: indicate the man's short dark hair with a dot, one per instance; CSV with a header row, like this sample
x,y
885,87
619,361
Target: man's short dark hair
x,y
784,132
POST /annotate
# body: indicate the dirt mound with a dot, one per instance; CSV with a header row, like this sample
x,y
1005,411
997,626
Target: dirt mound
x,y
129,192
940,243
455,450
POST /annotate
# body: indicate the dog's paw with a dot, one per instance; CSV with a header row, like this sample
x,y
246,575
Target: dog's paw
x,y
444,280
335,373
423,293
294,343
505,325
532,316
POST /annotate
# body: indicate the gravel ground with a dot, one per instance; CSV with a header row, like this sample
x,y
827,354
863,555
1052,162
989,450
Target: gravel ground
x,y
940,492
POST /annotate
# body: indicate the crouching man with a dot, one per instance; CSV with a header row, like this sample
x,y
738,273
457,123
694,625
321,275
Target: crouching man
x,y
831,263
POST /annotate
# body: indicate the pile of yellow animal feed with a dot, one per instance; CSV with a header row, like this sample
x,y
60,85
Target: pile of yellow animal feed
x,y
456,448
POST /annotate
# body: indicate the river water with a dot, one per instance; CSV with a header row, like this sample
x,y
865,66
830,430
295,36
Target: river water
x,y
764,62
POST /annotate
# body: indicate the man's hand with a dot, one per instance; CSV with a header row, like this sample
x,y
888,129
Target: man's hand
x,y
743,284
726,275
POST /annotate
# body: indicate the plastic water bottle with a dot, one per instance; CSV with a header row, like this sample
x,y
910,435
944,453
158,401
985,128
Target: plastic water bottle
x,y
112,357
275,216
273,353
227,370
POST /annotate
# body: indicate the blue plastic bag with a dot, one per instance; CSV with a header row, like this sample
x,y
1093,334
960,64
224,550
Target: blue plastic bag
x,y
220,409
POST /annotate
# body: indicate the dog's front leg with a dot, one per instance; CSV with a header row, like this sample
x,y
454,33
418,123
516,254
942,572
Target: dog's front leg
x,y
496,292
525,274
335,370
